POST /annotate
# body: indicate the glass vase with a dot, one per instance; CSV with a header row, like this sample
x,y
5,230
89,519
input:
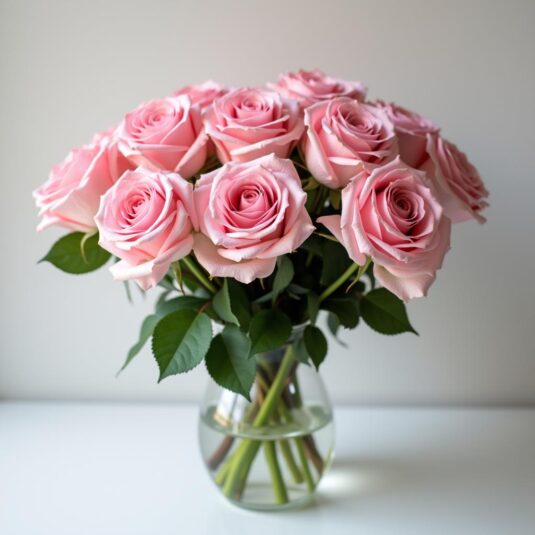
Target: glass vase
x,y
271,452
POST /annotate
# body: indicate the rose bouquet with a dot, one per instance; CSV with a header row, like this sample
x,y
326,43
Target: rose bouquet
x,y
254,209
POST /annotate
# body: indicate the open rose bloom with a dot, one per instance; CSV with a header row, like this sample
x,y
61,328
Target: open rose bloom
x,y
146,219
281,149
391,215
165,135
246,124
343,133
253,212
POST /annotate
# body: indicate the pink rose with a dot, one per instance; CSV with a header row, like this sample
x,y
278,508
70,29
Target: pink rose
x,y
341,135
310,87
202,94
390,214
165,135
459,186
411,130
147,219
253,213
246,124
71,195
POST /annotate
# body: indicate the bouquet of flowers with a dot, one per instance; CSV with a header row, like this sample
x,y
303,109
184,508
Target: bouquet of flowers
x,y
252,210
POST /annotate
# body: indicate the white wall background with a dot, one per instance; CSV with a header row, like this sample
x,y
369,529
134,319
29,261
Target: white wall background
x,y
69,68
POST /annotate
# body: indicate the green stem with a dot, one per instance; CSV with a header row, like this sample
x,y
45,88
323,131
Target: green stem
x,y
178,275
338,282
201,277
286,450
279,488
343,277
247,450
223,471
284,445
304,463
301,451
275,391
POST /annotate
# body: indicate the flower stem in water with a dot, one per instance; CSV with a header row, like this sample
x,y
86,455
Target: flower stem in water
x,y
279,488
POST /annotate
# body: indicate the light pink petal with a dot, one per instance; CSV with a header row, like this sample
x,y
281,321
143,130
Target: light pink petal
x,y
149,274
333,223
245,271
288,243
406,288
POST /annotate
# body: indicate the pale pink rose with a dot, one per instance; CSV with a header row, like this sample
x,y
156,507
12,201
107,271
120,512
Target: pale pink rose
x,y
71,195
165,135
341,135
147,219
411,130
459,186
390,214
246,124
252,213
203,94
310,87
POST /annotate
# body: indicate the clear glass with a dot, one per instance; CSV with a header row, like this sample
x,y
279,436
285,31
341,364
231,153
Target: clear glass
x,y
269,453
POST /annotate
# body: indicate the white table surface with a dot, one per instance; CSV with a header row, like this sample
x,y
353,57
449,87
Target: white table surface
x,y
133,469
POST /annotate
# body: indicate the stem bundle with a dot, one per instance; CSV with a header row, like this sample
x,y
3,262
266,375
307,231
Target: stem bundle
x,y
273,404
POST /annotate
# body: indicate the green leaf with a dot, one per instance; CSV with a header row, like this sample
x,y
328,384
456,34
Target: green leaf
x,y
300,351
222,305
315,344
163,308
333,323
313,303
312,195
166,306
311,346
263,298
310,184
147,328
269,329
180,341
128,292
385,313
66,254
335,261
228,361
335,197
283,276
297,289
345,308
240,304
313,244
167,282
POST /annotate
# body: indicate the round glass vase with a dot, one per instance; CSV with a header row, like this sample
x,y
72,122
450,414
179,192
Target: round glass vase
x,y
271,452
